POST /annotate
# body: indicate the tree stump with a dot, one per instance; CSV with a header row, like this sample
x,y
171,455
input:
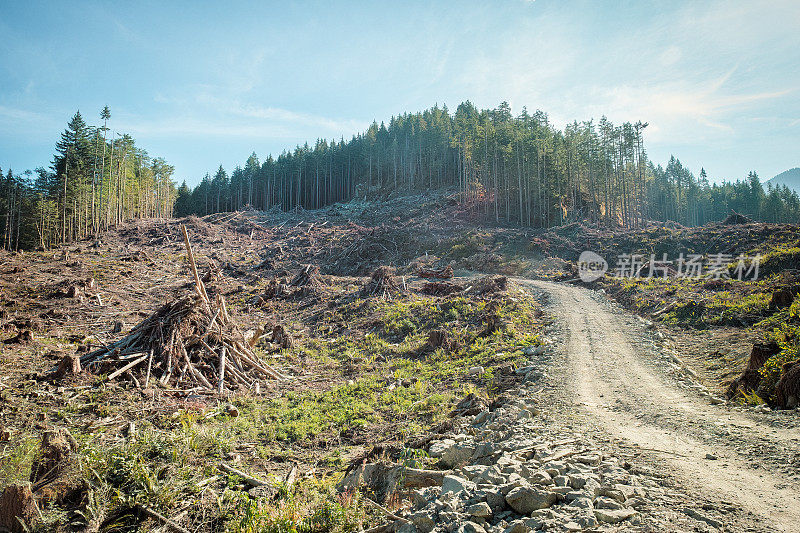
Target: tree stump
x,y
439,338
70,365
281,337
787,392
782,298
18,509
56,450
750,378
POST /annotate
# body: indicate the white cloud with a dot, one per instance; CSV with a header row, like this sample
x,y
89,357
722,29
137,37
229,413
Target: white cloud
x,y
670,56
680,112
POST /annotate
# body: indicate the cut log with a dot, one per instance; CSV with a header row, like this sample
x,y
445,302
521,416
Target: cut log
x,y
126,367
250,480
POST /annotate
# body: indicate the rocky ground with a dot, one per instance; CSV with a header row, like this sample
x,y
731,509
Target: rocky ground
x,y
574,448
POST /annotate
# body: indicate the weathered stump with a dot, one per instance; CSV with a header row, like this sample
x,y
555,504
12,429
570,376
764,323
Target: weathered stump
x,y
787,391
281,337
70,365
751,377
18,509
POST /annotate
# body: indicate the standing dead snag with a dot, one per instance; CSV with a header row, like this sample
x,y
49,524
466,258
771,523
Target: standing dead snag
x,y
190,342
201,289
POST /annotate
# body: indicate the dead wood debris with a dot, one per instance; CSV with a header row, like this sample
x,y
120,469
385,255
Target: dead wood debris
x,y
384,284
307,280
787,391
190,342
442,273
439,338
489,284
737,218
281,337
440,288
23,337
751,377
18,510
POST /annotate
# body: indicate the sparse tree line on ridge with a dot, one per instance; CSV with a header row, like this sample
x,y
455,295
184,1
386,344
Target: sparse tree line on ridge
x,y
512,170
97,179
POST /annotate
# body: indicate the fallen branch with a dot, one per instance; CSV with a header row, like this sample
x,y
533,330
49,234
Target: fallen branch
x,y
126,367
250,480
385,511
163,519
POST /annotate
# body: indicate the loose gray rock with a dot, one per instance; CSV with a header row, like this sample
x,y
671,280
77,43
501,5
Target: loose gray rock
x,y
456,484
479,510
471,527
423,520
517,526
613,516
525,500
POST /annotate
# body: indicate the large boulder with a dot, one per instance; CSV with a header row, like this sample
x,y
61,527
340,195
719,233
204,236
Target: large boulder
x,y
451,453
456,484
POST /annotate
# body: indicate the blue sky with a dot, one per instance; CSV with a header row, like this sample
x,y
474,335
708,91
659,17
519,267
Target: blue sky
x,y
207,83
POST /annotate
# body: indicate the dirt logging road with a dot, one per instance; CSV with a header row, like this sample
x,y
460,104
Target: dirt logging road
x,y
627,388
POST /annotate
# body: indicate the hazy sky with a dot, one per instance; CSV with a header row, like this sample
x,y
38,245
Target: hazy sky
x,y
207,83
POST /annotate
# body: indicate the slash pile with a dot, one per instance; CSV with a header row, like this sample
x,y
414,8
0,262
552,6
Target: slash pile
x,y
190,342
384,284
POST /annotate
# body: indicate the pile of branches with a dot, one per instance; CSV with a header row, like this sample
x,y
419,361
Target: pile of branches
x,y
360,248
489,284
440,288
190,342
384,284
306,282
737,218
442,273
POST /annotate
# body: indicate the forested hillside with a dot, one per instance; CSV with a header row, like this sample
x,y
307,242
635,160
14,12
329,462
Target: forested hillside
x,y
97,179
510,170
789,178
513,170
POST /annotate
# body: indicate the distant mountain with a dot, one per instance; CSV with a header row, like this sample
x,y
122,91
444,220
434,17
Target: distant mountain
x,y
790,178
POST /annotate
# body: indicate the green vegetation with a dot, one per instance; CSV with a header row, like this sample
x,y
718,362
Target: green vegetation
x,y
787,335
381,383
702,303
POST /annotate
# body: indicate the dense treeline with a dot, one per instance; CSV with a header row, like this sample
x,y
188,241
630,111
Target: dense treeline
x,y
97,179
513,170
